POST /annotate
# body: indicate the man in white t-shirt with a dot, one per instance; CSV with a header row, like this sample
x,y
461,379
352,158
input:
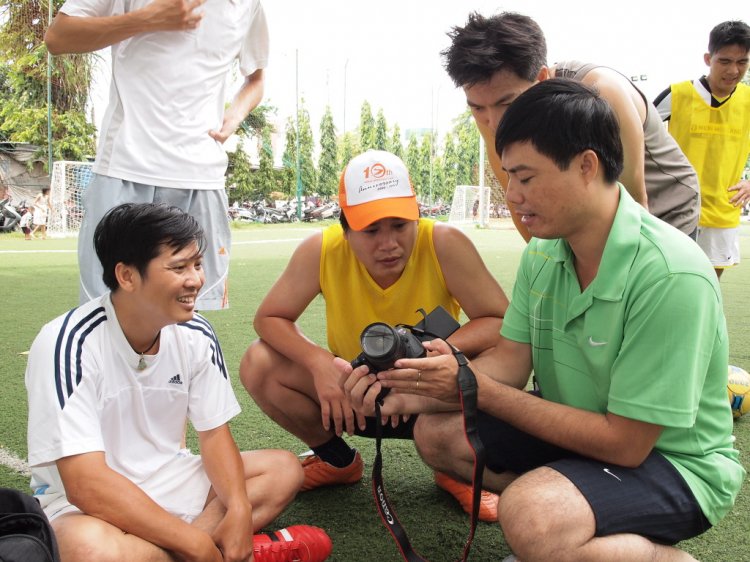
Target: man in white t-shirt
x,y
162,133
110,384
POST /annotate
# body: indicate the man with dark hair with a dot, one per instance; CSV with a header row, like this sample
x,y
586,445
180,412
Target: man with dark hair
x,y
710,119
110,384
626,446
381,265
496,59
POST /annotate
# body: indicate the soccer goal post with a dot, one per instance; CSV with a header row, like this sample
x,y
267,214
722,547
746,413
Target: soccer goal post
x,y
466,201
69,181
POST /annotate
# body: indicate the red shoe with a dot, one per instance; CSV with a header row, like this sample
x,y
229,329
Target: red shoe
x,y
300,543
319,473
463,493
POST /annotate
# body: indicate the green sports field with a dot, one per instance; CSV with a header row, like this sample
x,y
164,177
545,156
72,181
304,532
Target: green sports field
x,y
39,281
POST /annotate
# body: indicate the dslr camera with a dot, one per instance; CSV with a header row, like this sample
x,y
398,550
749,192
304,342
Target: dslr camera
x,y
383,345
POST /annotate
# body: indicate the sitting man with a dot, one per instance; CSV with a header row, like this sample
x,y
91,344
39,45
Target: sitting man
x,y
381,265
620,318
104,433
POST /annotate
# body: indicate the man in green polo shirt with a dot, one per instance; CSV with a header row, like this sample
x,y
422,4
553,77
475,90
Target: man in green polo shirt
x,y
626,447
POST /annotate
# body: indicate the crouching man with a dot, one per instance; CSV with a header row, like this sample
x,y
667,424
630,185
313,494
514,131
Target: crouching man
x,y
382,264
619,315
110,384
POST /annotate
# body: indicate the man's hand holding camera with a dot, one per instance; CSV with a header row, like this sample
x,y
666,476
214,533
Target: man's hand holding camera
x,y
415,383
333,403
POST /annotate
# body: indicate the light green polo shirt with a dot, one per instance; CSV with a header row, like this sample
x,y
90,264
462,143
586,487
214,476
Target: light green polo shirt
x,y
646,340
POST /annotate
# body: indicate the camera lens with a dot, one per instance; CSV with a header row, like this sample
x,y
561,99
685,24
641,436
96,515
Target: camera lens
x,y
380,342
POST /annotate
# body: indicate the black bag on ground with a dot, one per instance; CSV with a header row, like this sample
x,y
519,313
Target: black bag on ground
x,y
25,532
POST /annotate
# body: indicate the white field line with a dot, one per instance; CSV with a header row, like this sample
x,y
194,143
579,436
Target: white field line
x,y
38,251
14,463
265,241
74,251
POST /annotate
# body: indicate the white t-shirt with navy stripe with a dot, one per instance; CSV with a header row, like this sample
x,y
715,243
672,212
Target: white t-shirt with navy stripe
x,y
86,393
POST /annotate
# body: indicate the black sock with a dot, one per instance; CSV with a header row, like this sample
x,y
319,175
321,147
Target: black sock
x,y
335,452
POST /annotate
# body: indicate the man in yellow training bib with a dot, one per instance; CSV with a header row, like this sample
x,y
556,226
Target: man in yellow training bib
x,y
710,120
382,264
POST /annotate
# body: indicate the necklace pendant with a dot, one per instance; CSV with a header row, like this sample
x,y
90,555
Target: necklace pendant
x,y
142,364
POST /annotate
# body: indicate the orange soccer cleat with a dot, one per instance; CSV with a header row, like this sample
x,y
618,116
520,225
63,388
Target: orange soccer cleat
x,y
463,493
320,473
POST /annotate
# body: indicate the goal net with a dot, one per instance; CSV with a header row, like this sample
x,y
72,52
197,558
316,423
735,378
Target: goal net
x,y
69,181
466,203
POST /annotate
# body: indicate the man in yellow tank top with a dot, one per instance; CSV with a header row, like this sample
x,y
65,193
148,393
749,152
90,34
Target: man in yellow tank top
x,y
710,120
380,265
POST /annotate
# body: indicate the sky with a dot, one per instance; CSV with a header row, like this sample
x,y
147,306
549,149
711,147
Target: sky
x,y
342,52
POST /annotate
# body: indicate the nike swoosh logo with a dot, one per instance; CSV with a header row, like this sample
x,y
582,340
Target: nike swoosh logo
x,y
595,343
608,471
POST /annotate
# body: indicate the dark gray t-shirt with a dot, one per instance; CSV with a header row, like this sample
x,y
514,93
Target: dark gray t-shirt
x,y
671,182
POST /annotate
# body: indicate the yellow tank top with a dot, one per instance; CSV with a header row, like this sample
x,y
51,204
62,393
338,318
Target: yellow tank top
x,y
716,140
354,300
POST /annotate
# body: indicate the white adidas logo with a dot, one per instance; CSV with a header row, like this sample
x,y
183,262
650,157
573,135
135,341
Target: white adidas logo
x,y
175,379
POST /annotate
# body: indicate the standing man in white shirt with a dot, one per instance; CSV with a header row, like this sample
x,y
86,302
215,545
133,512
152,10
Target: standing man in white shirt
x,y
162,134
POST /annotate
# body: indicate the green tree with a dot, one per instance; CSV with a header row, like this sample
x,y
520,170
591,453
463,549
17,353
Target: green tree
x,y
396,147
450,164
254,125
468,149
239,176
381,133
347,149
306,148
265,179
328,178
23,85
425,164
366,128
289,159
412,162
440,191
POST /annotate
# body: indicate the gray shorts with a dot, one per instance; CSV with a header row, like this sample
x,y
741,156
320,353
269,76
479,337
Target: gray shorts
x,y
209,207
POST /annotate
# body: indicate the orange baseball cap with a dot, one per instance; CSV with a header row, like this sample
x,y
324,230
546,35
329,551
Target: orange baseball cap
x,y
376,185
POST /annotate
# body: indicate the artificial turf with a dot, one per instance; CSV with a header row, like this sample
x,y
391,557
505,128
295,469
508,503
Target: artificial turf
x,y
39,281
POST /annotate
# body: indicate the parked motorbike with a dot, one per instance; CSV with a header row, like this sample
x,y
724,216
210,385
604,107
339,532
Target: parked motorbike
x,y
9,217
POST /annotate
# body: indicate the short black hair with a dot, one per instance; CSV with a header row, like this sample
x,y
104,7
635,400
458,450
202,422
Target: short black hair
x,y
562,118
343,221
485,46
134,234
45,190
729,33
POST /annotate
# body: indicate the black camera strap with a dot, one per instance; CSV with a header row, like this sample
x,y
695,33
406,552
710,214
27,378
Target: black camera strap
x,y
467,384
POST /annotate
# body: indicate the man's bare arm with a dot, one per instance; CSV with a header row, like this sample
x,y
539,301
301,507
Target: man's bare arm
x,y
247,98
474,287
225,471
289,297
501,377
69,34
275,323
100,492
630,109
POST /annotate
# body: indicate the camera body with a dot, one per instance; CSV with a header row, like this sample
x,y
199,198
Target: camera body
x,y
383,345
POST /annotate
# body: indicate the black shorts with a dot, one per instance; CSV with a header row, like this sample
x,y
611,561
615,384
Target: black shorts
x,y
653,500
404,430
